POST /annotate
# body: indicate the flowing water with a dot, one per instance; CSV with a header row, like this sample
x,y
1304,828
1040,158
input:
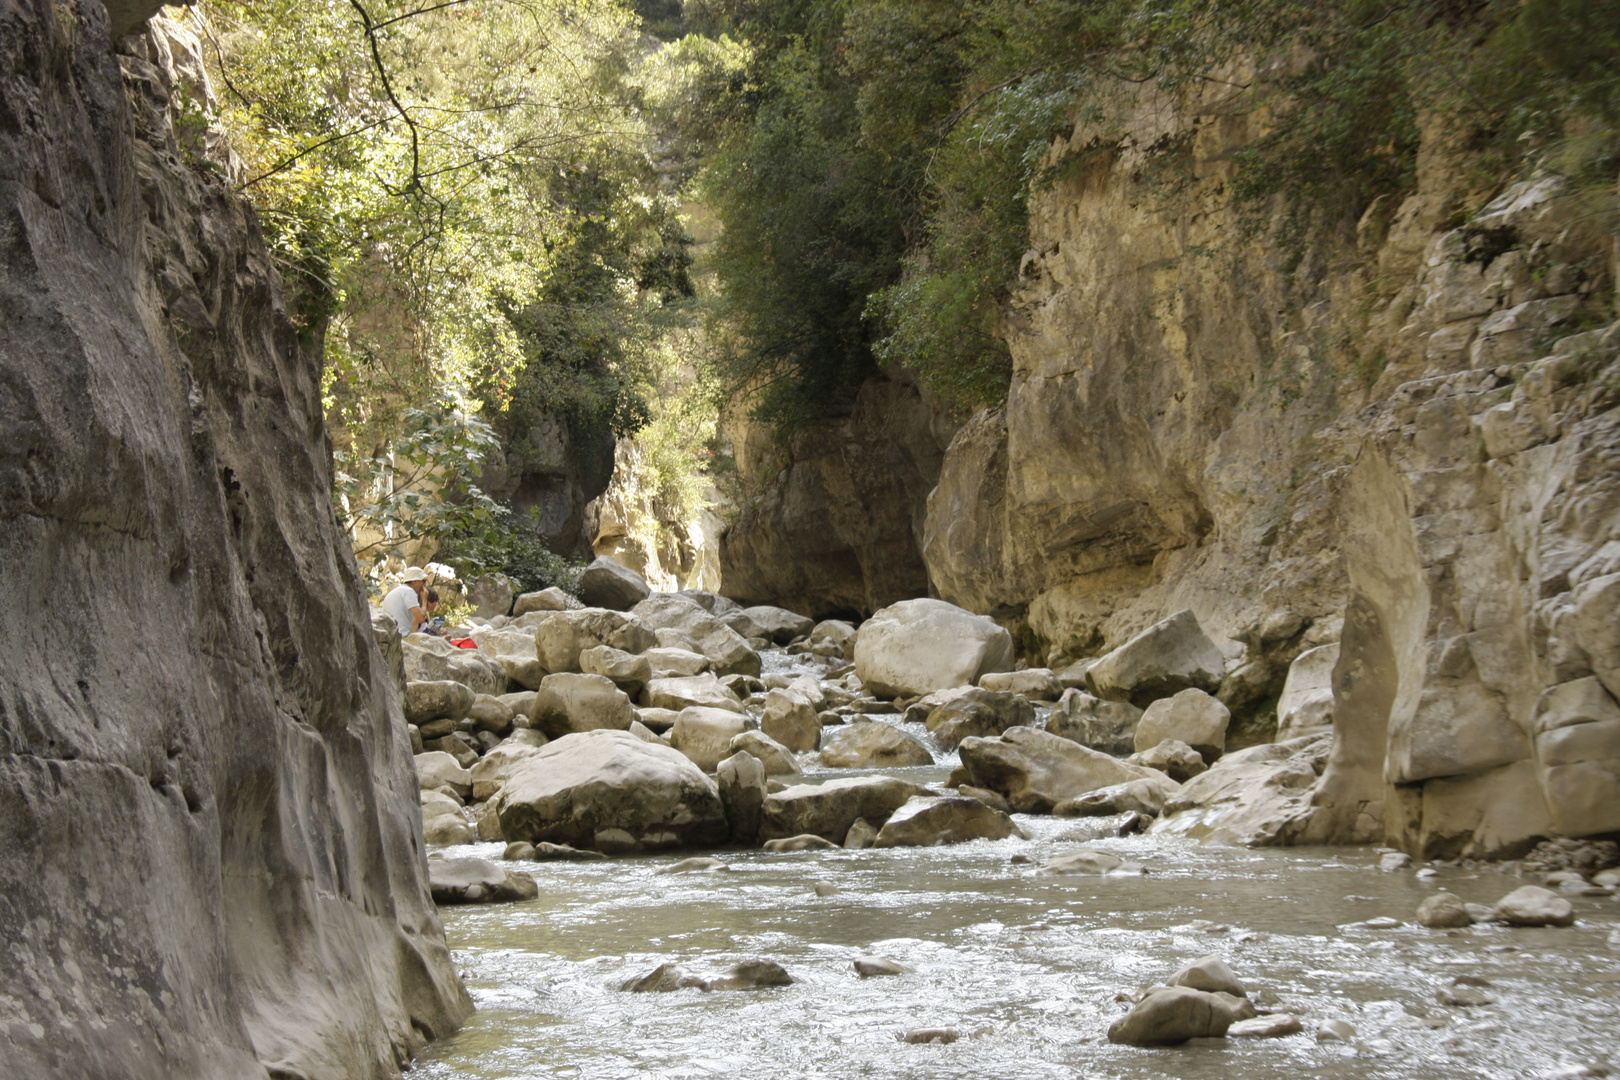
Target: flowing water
x,y
1025,967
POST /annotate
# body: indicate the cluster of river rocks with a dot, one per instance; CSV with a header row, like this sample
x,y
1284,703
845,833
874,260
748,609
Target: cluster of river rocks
x,y
632,721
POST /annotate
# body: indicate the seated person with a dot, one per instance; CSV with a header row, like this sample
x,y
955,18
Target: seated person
x,y
406,599
422,617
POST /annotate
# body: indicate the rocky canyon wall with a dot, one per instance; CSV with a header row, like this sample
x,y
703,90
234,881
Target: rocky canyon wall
x,y
212,859
1405,433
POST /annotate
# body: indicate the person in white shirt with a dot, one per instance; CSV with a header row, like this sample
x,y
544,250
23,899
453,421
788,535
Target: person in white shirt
x,y
407,603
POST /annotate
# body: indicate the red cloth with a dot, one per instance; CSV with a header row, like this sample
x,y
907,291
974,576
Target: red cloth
x,y
464,643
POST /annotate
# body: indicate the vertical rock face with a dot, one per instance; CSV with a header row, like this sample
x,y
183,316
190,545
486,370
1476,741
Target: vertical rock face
x,y
838,522
210,847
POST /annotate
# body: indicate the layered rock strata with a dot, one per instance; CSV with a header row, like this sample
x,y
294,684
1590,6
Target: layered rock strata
x,y
212,858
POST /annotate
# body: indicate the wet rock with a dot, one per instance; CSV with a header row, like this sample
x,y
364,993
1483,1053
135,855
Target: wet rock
x,y
1105,726
549,852
1081,861
1534,906
992,799
1172,757
705,735
930,820
546,600
1210,973
518,851
445,830
1481,913
604,583
776,624
477,881
627,671
559,637
1172,1016
1250,795
1462,997
871,967
1145,797
1191,717
871,744
437,699
662,979
791,719
741,782
977,712
861,835
920,1036
828,810
803,842
918,646
1164,659
570,702
1444,911
1390,861
776,758
704,691
836,633
697,864
1036,770
609,790
1335,1031
728,651
826,888
435,770
1035,684
754,975
1272,1026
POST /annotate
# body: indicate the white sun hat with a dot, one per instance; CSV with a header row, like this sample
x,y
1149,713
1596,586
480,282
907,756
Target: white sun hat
x,y
413,573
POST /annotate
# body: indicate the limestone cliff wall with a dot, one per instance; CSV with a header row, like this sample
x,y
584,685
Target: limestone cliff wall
x,y
1398,431
211,861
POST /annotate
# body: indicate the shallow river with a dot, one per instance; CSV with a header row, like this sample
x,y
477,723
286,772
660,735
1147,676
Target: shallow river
x,y
1025,967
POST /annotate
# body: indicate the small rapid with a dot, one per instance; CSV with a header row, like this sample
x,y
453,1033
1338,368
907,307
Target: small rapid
x,y
1026,968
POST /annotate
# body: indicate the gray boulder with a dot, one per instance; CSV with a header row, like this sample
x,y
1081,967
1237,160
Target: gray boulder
x,y
1306,704
675,662
727,650
977,712
610,791
433,659
552,599
1532,905
1212,974
791,719
491,714
607,584
1035,684
569,702
1080,862
1145,797
1172,757
437,699
702,691
436,769
1190,716
919,646
1172,1016
628,671
872,744
741,781
1444,911
777,624
1105,726
1035,770
931,820
477,881
514,650
829,809
1167,657
704,735
560,636
776,758
490,596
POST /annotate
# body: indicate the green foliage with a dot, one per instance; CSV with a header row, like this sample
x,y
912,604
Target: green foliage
x,y
420,489
505,543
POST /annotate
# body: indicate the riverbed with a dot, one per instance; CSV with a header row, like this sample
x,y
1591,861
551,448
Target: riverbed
x,y
1025,969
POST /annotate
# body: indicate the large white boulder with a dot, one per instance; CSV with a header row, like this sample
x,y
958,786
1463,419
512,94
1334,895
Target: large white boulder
x,y
628,671
513,649
777,759
679,693
726,649
919,646
610,791
437,699
1106,726
931,820
1192,717
433,659
773,623
976,711
668,662
1166,657
791,719
873,744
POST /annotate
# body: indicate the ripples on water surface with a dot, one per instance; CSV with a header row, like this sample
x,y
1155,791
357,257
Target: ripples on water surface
x,y
1025,967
